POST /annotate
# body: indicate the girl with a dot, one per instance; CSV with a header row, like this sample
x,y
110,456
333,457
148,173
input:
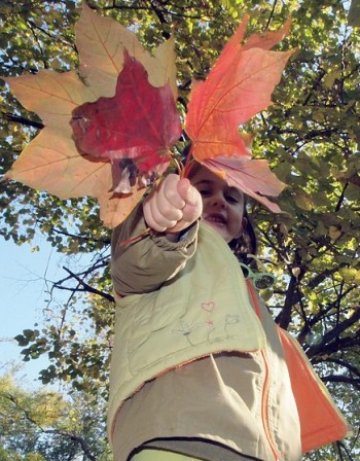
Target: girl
x,y
199,368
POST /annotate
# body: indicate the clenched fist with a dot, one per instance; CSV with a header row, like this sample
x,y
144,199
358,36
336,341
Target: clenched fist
x,y
173,206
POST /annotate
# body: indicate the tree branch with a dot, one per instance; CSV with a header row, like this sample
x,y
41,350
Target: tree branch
x,y
22,120
75,438
80,237
89,288
284,317
344,364
271,15
48,34
331,342
342,379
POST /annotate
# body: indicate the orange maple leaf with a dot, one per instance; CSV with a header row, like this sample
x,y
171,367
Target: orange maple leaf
x,y
238,86
51,162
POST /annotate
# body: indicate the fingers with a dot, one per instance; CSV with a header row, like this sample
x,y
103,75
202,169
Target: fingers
x,y
173,206
159,215
193,203
187,192
169,190
162,210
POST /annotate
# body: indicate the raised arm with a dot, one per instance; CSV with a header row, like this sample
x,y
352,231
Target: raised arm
x,y
171,212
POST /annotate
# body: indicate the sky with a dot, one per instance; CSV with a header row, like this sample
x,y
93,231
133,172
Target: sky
x,y
24,291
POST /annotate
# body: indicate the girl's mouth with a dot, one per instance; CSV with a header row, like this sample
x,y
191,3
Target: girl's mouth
x,y
216,218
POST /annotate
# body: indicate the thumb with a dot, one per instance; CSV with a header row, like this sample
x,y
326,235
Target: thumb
x,y
187,191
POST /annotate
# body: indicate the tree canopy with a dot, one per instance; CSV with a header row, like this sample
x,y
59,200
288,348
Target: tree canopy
x,y
310,135
44,426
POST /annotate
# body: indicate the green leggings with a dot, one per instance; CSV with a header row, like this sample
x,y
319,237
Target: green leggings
x,y
150,454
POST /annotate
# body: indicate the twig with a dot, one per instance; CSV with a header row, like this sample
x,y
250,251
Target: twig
x,y
22,120
137,238
342,379
271,15
331,342
89,288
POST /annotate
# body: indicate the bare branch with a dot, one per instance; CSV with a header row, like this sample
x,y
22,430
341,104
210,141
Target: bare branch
x,y
334,334
284,318
342,363
342,379
271,15
24,121
87,287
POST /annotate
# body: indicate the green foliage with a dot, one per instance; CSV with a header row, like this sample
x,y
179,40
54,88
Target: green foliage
x,y
310,135
43,426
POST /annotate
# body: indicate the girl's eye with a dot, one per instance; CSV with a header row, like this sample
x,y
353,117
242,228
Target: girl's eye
x,y
232,196
204,192
232,199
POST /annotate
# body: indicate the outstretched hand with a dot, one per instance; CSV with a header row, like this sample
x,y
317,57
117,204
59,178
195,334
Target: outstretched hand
x,y
173,206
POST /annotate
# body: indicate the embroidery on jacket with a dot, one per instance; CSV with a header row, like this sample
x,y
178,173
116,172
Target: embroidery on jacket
x,y
186,329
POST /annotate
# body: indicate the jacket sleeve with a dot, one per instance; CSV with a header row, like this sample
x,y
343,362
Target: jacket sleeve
x,y
145,265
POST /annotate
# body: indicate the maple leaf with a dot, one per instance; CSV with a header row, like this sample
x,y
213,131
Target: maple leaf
x,y
101,42
51,162
252,176
139,123
238,86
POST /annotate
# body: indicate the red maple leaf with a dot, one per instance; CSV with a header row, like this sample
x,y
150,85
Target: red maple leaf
x,y
139,123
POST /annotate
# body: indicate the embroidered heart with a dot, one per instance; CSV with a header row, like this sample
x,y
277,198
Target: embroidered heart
x,y
208,307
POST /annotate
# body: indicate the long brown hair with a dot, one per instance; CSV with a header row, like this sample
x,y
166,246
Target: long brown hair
x,y
247,243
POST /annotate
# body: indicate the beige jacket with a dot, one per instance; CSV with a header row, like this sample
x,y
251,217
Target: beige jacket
x,y
202,309
187,300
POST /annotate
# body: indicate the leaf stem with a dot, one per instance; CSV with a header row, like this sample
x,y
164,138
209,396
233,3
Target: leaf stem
x,y
137,238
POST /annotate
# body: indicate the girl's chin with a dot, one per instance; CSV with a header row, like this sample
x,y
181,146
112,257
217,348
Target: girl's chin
x,y
220,229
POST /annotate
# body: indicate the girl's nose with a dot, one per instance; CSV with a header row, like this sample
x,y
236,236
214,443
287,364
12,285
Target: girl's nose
x,y
217,201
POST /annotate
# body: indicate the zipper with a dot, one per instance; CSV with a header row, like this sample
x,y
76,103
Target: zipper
x,y
265,408
266,384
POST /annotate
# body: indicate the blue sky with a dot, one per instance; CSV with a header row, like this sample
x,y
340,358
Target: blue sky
x,y
23,294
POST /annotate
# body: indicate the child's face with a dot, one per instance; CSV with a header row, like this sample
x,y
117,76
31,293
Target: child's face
x,y
223,206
